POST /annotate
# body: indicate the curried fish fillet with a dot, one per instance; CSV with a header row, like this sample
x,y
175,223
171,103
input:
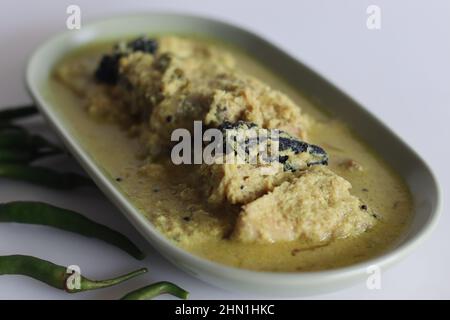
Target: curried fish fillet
x,y
315,206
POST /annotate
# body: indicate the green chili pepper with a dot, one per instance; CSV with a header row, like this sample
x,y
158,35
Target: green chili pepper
x,y
9,127
18,146
24,155
39,142
13,156
55,275
21,139
156,289
15,139
48,215
44,177
16,113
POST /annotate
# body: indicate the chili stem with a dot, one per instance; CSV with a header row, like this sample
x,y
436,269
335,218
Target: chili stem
x,y
155,290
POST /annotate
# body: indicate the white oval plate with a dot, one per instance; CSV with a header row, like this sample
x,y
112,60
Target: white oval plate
x,y
406,162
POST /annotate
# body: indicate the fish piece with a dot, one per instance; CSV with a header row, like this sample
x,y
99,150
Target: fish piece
x,y
249,168
168,82
315,206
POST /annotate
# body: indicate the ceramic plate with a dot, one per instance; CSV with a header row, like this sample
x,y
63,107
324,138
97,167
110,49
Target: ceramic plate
x,y
406,162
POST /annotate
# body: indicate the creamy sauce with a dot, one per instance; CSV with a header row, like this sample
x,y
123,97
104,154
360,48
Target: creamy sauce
x,y
167,197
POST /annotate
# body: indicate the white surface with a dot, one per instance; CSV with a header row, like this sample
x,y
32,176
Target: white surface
x,y
401,73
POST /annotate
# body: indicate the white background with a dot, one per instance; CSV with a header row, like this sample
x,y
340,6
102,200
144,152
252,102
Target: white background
x,y
401,73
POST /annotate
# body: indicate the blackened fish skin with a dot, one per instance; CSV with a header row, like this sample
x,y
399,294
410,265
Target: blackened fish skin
x,y
107,71
143,44
288,146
